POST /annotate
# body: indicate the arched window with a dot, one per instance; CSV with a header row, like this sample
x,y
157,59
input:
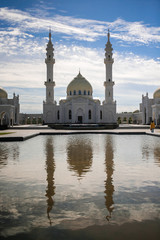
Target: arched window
x,y
101,114
58,115
74,93
49,79
70,93
89,114
109,80
79,92
109,94
70,114
88,92
84,92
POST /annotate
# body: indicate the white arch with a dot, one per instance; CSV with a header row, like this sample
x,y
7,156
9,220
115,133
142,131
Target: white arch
x,y
4,118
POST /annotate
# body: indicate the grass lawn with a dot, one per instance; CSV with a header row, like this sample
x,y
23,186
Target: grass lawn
x,y
3,133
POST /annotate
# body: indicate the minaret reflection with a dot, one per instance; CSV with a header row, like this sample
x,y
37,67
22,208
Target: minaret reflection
x,y
4,153
151,152
109,187
79,155
50,168
157,155
15,152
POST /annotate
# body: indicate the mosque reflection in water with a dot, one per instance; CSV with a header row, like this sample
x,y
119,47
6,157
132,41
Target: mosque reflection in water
x,y
148,152
8,152
77,182
157,155
79,159
79,156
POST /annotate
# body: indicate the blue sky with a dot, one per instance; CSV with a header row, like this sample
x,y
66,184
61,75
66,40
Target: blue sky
x,y
79,34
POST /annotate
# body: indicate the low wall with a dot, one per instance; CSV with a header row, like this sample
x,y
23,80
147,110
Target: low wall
x,y
83,126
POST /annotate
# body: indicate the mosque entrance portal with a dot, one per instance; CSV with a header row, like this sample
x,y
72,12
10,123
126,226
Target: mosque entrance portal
x,y
80,118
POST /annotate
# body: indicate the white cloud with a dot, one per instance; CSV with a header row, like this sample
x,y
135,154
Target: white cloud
x,y
28,22
82,29
14,41
132,74
131,68
135,32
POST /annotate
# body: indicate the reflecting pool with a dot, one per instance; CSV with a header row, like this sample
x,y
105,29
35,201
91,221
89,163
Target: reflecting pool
x,y
91,186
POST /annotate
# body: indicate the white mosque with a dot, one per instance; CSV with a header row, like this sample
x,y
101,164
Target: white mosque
x,y
9,109
79,106
150,108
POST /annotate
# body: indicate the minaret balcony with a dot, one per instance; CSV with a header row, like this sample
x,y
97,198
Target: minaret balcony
x,y
49,84
50,60
108,83
106,60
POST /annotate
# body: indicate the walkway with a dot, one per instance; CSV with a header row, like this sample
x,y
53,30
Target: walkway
x,y
21,133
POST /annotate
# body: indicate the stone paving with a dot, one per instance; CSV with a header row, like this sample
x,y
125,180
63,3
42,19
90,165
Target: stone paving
x,y
22,133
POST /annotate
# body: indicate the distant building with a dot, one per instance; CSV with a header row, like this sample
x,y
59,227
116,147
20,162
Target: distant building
x,y
9,109
150,108
130,117
79,105
30,118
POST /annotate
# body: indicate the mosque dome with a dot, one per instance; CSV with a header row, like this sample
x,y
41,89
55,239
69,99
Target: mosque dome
x,y
157,93
3,93
79,86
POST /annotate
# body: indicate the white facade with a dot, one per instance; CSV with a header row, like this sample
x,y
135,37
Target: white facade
x,y
79,105
151,108
9,109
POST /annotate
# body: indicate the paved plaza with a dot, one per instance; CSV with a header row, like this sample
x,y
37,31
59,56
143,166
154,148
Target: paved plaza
x,y
21,133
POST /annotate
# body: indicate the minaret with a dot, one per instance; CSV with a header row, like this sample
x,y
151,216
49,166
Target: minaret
x,y
50,61
108,61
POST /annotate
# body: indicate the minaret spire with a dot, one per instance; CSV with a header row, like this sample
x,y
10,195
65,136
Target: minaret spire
x,y
108,35
49,34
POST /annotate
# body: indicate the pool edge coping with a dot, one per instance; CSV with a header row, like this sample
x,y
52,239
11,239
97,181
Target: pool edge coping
x,y
24,138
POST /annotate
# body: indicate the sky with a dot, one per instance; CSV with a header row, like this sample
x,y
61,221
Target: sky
x,y
79,34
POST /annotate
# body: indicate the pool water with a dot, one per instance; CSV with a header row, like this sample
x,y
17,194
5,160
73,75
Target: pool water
x,y
90,186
